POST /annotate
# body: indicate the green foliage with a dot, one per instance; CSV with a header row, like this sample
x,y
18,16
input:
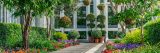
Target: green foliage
x,y
65,21
101,25
90,17
153,29
103,32
73,34
60,35
133,37
41,43
127,14
91,25
101,18
81,21
10,34
96,33
117,41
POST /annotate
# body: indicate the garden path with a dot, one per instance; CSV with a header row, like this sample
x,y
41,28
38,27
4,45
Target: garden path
x,y
82,48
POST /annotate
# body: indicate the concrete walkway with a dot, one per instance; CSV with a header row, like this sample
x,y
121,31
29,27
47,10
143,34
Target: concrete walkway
x,y
82,48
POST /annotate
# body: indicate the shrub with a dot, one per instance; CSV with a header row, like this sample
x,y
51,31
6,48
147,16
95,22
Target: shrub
x,y
133,37
41,43
73,34
65,22
10,34
60,35
117,41
96,33
153,29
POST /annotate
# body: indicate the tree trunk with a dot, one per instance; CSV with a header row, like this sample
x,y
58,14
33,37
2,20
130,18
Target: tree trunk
x,y
25,31
123,29
48,28
142,36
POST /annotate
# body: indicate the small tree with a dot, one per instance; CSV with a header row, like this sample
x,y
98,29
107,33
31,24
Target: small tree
x,y
28,9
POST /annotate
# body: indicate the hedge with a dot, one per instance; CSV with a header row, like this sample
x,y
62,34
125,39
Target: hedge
x,y
153,29
11,37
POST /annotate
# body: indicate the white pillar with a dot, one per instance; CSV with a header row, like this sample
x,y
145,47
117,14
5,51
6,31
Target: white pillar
x,y
95,9
75,19
62,13
106,22
87,12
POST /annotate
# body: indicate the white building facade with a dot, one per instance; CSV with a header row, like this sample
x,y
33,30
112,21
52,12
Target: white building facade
x,y
6,17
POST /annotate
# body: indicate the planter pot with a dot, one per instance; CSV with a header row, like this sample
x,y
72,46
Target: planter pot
x,y
86,2
96,40
107,51
101,39
91,39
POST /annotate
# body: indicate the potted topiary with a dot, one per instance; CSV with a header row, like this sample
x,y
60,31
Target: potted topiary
x,y
86,2
96,34
101,18
101,6
91,18
73,35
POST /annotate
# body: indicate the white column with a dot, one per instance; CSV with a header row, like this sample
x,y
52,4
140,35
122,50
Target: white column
x,y
75,19
106,22
87,12
62,13
95,9
44,22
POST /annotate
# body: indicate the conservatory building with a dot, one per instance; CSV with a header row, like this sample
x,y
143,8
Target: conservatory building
x,y
78,19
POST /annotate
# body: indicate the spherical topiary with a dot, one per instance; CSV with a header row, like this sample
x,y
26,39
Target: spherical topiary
x,y
65,21
86,2
101,6
73,34
90,17
101,18
96,33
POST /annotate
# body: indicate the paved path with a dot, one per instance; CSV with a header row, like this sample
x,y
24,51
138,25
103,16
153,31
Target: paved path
x,y
82,48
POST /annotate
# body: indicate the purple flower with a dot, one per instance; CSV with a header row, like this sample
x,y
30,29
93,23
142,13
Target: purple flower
x,y
126,46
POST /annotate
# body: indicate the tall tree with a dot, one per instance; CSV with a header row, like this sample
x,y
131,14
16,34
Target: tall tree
x,y
28,9
139,8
